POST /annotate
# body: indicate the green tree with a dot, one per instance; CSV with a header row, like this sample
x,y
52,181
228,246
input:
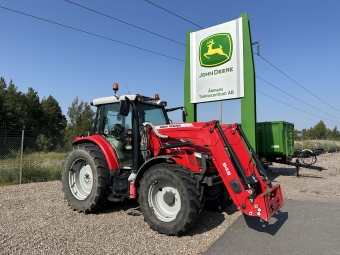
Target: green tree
x,y
34,120
319,131
3,90
80,116
54,120
304,132
44,143
14,107
335,134
297,135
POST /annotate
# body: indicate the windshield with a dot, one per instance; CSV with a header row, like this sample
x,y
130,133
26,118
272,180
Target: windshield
x,y
107,117
152,113
114,120
147,113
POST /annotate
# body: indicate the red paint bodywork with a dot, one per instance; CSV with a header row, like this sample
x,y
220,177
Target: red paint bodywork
x,y
208,140
106,148
268,199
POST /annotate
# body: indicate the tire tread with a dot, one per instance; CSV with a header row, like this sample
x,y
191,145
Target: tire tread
x,y
195,197
99,201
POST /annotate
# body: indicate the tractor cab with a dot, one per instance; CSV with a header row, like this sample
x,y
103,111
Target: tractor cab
x,y
120,118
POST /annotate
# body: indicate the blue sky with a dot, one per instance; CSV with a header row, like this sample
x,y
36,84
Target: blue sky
x,y
300,37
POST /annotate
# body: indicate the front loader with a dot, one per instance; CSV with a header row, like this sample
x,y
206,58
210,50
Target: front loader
x,y
173,170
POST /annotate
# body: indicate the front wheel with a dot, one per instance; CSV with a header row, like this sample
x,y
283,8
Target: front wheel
x,y
86,178
170,199
217,197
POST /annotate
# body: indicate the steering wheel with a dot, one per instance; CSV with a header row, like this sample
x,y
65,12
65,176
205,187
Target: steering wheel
x,y
118,131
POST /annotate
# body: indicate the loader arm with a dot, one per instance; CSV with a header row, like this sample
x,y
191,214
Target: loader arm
x,y
237,164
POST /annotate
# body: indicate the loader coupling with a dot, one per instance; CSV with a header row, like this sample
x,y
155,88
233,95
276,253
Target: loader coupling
x,y
269,202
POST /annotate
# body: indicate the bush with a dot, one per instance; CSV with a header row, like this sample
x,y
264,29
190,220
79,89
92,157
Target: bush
x,y
44,143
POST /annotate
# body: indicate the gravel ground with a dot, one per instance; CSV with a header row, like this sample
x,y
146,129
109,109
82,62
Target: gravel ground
x,y
35,219
312,185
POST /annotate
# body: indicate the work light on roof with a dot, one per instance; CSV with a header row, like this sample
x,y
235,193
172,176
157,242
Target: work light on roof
x,y
115,87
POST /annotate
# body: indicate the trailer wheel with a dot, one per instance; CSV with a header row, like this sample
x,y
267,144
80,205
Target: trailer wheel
x,y
216,197
308,157
86,178
170,199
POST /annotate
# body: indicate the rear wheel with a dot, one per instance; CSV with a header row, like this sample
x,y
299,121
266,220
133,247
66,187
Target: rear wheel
x,y
86,178
170,199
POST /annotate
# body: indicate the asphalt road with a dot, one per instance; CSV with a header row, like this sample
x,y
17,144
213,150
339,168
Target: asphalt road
x,y
298,228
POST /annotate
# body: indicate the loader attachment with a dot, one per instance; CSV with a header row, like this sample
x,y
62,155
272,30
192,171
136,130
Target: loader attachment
x,y
271,201
252,192
236,162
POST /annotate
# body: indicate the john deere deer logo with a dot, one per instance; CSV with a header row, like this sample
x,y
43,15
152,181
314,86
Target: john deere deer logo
x,y
215,50
212,51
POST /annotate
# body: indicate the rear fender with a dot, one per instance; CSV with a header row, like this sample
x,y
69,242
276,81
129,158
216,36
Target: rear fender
x,y
106,148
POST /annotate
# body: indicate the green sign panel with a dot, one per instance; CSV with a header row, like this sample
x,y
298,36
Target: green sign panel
x,y
215,50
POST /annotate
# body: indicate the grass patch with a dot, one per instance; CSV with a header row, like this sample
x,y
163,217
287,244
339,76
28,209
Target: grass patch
x,y
311,144
9,176
36,167
30,173
34,157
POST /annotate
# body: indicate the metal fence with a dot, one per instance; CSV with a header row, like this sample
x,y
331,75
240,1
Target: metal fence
x,y
28,158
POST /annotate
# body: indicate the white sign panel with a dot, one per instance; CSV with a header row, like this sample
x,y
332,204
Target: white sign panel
x,y
216,63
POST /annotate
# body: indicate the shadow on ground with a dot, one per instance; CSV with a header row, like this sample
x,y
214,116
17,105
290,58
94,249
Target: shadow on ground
x,y
210,220
274,172
271,227
207,221
129,205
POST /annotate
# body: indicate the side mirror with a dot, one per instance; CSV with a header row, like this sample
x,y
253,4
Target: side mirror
x,y
124,107
184,115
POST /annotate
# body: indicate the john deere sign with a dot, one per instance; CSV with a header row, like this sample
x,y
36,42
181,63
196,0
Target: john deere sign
x,y
216,57
215,50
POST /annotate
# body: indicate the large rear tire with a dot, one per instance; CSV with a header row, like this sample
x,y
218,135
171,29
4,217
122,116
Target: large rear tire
x,y
170,199
86,178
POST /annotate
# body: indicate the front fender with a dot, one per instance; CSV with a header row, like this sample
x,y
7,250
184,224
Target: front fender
x,y
151,162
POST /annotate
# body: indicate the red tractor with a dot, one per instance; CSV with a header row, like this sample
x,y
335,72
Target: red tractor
x,y
174,170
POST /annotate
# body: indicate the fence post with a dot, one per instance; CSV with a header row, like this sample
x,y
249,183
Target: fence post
x,y
22,151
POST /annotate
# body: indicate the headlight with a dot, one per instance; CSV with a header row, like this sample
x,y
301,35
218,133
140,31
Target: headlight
x,y
199,155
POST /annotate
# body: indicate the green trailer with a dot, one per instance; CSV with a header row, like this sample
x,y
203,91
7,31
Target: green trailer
x,y
275,141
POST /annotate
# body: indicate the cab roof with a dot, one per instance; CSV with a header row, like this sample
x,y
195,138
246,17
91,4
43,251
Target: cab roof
x,y
117,99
